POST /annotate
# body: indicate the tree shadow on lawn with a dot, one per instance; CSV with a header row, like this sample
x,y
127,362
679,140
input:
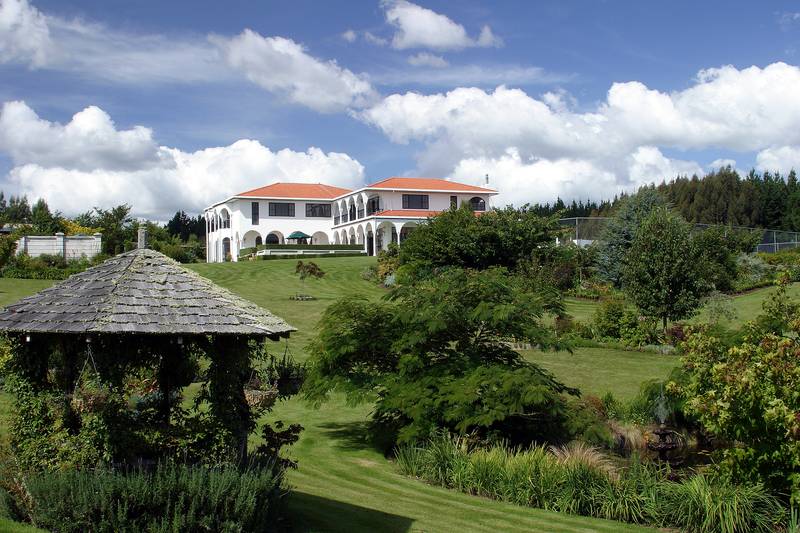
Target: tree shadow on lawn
x,y
313,513
354,436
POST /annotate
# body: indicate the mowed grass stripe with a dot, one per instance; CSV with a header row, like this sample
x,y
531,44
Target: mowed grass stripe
x,y
421,496
493,514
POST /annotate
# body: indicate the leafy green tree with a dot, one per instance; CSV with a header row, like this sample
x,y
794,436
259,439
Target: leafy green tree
x,y
44,222
438,355
718,248
747,395
116,225
18,210
661,273
459,238
621,232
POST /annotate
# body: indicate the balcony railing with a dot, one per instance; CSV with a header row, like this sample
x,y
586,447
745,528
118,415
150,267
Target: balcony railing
x,y
344,218
361,213
336,220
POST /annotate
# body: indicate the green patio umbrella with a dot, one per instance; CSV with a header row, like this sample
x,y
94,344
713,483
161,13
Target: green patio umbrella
x,y
298,235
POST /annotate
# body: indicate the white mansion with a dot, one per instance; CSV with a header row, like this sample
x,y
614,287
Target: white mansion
x,y
372,216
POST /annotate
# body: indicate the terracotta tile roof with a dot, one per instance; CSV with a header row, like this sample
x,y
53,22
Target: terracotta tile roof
x,y
297,190
414,213
426,184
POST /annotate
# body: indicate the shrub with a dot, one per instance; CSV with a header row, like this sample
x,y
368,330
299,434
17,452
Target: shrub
x,y
440,356
610,317
753,271
747,394
388,261
704,504
171,498
578,479
51,267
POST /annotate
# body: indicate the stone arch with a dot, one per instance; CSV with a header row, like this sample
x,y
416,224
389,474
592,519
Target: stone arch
x,y
352,209
274,237
319,237
360,234
226,248
250,239
476,203
225,218
406,229
369,238
384,234
351,238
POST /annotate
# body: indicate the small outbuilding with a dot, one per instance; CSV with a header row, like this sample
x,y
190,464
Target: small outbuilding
x,y
130,335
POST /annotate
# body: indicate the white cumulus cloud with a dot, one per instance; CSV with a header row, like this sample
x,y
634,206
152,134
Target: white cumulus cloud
x,y
626,136
90,140
779,158
24,34
39,40
419,27
94,164
284,67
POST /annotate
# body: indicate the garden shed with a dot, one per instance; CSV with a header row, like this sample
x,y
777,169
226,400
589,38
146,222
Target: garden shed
x,y
115,347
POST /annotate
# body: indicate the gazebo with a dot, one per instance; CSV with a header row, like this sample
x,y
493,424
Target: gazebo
x,y
140,313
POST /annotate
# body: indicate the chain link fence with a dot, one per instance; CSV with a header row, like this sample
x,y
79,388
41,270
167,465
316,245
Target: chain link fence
x,y
583,231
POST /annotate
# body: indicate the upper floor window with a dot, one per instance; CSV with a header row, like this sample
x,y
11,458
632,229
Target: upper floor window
x,y
454,202
281,209
225,219
254,213
373,205
477,203
318,210
415,201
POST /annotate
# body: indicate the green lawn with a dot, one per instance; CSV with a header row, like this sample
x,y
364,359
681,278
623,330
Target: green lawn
x,y
747,306
601,370
342,483
12,290
270,284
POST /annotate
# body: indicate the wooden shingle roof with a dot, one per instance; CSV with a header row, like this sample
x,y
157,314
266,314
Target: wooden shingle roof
x,y
140,292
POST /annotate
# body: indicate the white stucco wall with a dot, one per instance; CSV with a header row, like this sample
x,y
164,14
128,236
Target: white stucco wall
x,y
242,232
71,247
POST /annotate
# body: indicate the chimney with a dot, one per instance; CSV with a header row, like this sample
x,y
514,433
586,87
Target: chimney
x,y
487,179
142,238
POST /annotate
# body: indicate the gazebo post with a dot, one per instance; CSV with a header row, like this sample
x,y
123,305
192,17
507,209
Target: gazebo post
x,y
228,374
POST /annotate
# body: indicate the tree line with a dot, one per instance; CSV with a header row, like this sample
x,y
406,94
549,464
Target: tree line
x,y
762,200
181,238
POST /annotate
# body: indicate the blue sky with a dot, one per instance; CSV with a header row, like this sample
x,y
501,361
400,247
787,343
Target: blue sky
x,y
181,103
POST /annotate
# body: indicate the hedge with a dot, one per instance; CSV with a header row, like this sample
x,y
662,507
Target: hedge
x,y
170,498
252,249
305,256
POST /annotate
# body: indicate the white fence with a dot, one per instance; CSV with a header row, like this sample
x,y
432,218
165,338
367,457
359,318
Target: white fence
x,y
72,247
